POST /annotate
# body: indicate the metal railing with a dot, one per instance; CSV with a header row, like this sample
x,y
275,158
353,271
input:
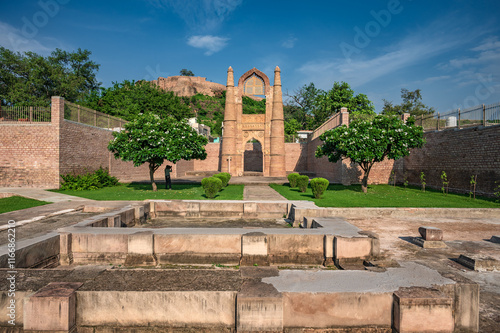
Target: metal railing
x,y
30,114
83,115
479,115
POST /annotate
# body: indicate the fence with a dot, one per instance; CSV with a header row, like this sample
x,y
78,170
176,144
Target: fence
x,y
485,115
30,114
91,117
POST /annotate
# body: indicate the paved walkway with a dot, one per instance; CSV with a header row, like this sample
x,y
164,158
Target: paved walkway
x,y
40,194
261,193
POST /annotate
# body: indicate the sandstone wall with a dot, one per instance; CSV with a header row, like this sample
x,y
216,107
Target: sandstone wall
x,y
460,153
29,155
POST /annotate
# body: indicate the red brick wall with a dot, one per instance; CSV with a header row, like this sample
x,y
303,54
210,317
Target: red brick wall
x,y
84,148
295,157
460,153
29,155
212,162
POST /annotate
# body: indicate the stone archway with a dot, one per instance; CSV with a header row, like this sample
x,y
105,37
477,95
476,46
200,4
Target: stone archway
x,y
267,128
253,156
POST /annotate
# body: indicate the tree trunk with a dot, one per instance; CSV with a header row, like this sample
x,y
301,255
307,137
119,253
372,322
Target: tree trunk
x,y
364,183
152,176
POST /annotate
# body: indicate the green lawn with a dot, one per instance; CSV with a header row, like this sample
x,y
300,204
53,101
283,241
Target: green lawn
x,y
143,191
15,203
385,196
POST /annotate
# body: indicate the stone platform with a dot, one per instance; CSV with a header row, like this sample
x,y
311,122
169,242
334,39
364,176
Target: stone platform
x,y
251,299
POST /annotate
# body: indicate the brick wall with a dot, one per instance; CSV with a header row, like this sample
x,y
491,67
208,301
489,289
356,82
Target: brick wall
x,y
84,148
29,155
295,157
460,153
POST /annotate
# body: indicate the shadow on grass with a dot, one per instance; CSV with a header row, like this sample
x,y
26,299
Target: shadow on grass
x,y
148,187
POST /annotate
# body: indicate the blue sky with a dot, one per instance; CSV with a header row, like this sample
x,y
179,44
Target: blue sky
x,y
449,49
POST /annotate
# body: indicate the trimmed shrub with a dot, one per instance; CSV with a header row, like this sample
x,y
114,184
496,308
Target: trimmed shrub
x,y
292,179
228,176
211,185
319,186
89,181
302,182
223,177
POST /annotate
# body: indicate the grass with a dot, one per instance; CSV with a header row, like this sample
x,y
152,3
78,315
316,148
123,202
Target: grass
x,y
136,192
385,196
16,203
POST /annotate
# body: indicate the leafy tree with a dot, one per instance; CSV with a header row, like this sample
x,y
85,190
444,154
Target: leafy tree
x,y
302,105
30,79
295,112
412,104
252,106
128,99
291,127
185,72
369,142
341,95
151,139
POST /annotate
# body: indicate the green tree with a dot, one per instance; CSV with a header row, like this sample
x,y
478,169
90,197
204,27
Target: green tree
x,y
151,139
341,95
302,105
128,99
369,142
291,127
31,79
412,104
185,72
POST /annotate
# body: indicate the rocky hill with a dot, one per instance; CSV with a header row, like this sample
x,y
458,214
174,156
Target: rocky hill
x,y
187,86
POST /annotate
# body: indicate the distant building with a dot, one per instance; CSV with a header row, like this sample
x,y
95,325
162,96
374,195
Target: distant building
x,y
303,136
200,128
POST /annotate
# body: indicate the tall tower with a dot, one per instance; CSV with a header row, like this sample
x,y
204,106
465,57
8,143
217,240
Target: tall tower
x,y
229,136
277,151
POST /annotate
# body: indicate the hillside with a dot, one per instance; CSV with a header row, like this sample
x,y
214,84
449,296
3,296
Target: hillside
x,y
207,99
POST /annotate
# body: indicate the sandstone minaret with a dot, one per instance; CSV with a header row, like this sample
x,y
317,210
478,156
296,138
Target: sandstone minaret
x,y
277,152
228,162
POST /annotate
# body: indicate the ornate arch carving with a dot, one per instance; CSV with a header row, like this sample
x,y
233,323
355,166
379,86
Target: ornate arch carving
x,y
259,74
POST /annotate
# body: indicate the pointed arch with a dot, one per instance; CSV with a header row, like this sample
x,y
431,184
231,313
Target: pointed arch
x,y
259,74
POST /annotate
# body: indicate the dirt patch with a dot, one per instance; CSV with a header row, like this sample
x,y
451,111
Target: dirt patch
x,y
173,222
166,280
396,233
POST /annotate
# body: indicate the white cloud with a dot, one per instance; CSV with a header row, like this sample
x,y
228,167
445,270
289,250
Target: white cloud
x,y
289,43
211,43
206,15
14,40
416,48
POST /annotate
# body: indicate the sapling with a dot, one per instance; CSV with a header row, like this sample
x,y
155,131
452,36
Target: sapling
x,y
473,182
497,191
392,178
444,180
405,182
422,180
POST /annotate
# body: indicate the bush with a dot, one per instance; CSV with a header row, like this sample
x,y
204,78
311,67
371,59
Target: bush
x,y
302,182
211,185
228,176
319,186
89,181
224,177
292,179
